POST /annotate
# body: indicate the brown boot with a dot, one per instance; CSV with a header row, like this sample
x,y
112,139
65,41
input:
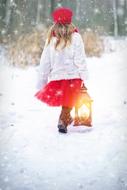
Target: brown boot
x,y
65,119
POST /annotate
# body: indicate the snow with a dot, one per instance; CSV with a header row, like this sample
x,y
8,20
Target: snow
x,y
34,156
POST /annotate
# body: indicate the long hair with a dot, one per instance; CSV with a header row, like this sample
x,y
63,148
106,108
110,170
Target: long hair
x,y
63,34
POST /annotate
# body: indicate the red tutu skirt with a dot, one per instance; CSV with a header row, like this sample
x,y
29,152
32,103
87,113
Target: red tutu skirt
x,y
60,92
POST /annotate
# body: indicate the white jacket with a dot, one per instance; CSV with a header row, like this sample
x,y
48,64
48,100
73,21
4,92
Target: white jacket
x,y
68,63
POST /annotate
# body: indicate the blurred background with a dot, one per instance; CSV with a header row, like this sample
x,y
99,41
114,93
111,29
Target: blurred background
x,y
106,16
24,24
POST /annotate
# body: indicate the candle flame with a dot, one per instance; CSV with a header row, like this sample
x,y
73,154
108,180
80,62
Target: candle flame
x,y
83,111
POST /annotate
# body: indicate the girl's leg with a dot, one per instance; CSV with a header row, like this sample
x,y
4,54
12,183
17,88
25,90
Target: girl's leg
x,y
65,119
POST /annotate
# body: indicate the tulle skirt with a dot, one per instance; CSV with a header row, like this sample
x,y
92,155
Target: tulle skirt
x,y
60,92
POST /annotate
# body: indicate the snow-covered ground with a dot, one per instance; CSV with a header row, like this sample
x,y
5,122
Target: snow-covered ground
x,y
34,156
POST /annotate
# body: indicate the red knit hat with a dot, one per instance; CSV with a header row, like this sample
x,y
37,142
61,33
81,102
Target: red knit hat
x,y
62,15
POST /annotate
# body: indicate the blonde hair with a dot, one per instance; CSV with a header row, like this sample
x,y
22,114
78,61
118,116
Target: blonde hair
x,y
63,33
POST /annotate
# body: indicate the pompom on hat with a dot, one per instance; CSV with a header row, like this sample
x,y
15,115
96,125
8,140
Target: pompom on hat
x,y
62,15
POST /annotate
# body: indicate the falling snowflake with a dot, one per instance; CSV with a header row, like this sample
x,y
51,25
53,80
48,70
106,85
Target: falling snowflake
x,y
125,184
6,179
121,2
3,32
59,5
87,20
5,158
97,11
120,12
18,12
13,3
48,96
59,93
15,32
125,22
21,24
112,175
71,85
40,7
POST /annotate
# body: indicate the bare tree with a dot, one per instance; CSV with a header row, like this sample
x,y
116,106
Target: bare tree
x,y
115,19
52,5
39,9
8,12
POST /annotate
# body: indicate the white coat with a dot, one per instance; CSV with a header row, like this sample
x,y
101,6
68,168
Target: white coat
x,y
68,63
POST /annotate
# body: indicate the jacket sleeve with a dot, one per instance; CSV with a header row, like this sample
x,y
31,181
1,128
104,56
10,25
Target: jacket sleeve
x,y
44,68
80,58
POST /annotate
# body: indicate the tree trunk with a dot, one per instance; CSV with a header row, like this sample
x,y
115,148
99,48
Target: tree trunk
x,y
125,17
39,9
8,12
115,19
52,5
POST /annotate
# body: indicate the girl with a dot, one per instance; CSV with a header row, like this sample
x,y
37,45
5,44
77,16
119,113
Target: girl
x,y
62,66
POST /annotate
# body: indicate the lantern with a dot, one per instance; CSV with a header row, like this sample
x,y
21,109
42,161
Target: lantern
x,y
83,109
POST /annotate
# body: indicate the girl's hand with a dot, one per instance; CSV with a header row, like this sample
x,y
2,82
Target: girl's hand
x,y
83,86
